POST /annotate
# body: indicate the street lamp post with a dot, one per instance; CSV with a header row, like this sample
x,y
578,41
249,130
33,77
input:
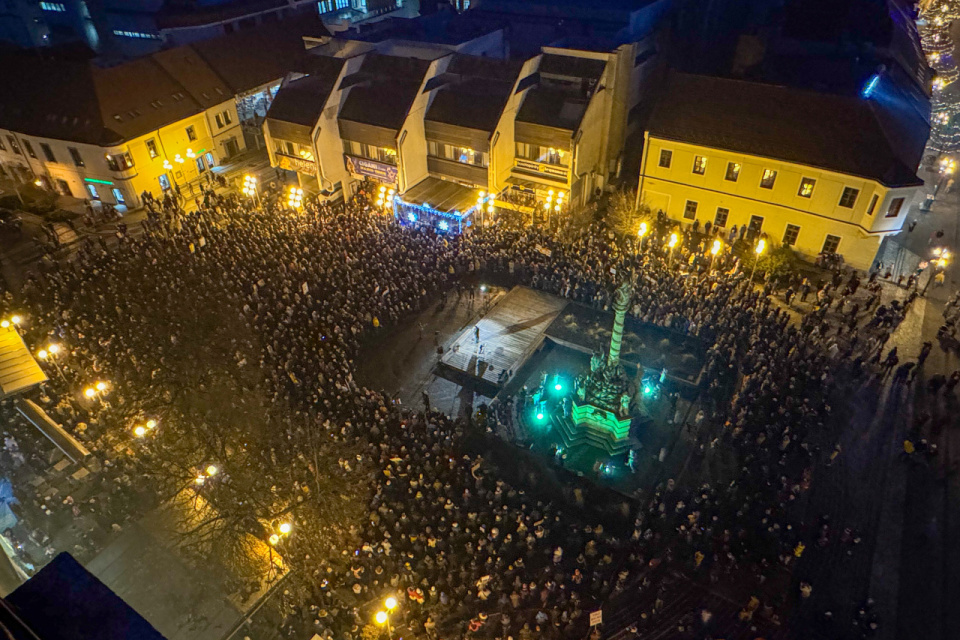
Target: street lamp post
x,y
97,391
251,191
13,322
383,617
761,245
947,168
283,530
50,353
641,232
939,265
714,250
295,198
672,244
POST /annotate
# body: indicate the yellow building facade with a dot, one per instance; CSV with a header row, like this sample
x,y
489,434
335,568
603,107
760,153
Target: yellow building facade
x,y
816,172
173,155
810,209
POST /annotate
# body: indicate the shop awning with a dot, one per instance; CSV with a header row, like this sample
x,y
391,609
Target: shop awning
x,y
442,196
18,369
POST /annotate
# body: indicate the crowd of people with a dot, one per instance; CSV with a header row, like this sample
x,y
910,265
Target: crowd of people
x,y
237,328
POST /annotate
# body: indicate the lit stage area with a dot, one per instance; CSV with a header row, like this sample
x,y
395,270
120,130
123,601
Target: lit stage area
x,y
502,340
444,206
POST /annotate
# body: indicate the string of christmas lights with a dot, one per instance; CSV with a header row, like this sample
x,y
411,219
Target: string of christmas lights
x,y
933,25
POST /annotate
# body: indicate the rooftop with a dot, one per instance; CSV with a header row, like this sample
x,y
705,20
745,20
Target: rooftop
x,y
249,59
109,105
477,91
300,101
383,90
835,133
572,66
64,601
553,107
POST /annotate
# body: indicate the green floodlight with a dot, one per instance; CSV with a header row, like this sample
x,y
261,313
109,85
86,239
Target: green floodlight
x,y
647,390
539,416
558,387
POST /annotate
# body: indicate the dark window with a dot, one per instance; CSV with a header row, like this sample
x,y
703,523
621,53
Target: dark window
x,y
690,211
873,204
756,224
191,133
666,157
29,148
152,148
790,235
849,197
894,209
64,187
2,147
226,117
47,152
768,178
720,220
75,155
699,165
13,144
733,171
219,121
806,187
830,244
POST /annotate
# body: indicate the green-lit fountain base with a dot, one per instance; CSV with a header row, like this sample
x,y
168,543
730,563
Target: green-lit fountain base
x,y
598,427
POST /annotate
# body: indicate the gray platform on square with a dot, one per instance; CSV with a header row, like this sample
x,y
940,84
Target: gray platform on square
x,y
509,333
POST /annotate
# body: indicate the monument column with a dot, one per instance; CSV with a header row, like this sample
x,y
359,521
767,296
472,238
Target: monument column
x,y
620,306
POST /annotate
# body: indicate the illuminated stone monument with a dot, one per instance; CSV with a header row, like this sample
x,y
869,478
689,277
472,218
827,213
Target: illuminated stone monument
x,y
602,408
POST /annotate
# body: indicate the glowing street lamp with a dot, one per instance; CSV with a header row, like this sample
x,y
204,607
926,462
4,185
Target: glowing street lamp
x,y
295,198
97,391
714,250
142,430
759,249
672,243
50,353
939,264
14,321
383,617
948,166
250,189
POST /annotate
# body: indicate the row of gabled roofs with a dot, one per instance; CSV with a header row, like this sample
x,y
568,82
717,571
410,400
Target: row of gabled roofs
x,y
77,101
835,133
472,92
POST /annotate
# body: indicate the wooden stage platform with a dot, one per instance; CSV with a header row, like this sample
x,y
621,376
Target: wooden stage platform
x,y
509,333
